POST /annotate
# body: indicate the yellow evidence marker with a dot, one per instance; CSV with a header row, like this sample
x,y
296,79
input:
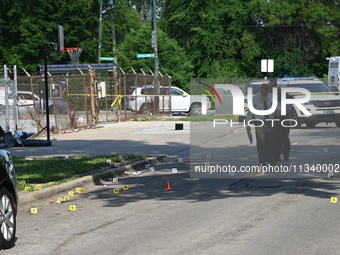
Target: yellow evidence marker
x,y
125,187
38,187
79,190
116,191
27,189
70,193
60,199
73,208
34,210
67,198
334,200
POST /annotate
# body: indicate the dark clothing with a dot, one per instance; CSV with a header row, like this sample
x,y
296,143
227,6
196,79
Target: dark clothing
x,y
265,135
265,142
282,138
282,143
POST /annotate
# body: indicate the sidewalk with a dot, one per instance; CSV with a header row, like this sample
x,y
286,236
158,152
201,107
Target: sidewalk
x,y
153,139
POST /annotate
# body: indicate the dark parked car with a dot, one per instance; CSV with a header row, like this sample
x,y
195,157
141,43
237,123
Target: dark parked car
x,y
8,201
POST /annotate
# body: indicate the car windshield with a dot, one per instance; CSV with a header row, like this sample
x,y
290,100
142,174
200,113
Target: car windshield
x,y
312,87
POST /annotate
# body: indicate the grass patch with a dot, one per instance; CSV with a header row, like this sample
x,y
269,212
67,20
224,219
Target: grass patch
x,y
56,170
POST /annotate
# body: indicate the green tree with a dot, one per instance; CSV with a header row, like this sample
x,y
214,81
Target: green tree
x,y
27,25
299,35
213,35
172,58
221,38
124,18
229,38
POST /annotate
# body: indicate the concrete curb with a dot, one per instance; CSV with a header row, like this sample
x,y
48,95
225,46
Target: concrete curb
x,y
26,200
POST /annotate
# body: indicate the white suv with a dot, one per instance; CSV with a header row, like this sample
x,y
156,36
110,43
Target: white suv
x,y
142,100
324,105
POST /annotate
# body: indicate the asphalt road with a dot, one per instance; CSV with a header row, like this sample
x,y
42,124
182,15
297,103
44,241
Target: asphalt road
x,y
252,214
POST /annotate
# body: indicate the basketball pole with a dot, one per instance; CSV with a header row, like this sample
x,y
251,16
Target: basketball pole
x,y
46,93
46,49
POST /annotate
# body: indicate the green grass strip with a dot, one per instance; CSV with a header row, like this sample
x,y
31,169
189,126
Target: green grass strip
x,y
33,170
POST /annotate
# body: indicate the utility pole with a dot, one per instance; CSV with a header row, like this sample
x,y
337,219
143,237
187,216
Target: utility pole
x,y
113,29
115,71
154,35
154,43
100,31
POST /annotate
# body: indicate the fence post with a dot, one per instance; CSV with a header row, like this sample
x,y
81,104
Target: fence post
x,y
93,96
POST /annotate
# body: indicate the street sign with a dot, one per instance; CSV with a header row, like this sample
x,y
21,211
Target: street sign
x,y
153,39
149,55
107,58
267,65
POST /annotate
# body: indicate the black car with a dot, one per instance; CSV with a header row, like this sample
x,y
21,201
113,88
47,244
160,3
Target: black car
x,y
8,201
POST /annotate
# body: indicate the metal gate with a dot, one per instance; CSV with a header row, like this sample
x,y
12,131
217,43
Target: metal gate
x,y
8,100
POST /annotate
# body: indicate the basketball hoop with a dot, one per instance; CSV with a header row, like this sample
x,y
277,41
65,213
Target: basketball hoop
x,y
74,54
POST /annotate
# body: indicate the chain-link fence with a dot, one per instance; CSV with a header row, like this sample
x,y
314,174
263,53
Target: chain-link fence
x,y
140,95
87,99
8,108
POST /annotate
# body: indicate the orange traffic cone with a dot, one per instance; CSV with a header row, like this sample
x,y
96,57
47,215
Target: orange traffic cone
x,y
168,186
260,169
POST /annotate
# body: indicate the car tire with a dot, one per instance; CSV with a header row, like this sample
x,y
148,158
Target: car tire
x,y
146,109
196,109
293,115
311,124
7,219
57,108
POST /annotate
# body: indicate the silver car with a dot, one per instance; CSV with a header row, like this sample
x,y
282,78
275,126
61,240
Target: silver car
x,y
26,101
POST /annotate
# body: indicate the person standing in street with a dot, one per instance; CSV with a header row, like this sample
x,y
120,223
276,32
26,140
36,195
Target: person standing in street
x,y
264,130
282,144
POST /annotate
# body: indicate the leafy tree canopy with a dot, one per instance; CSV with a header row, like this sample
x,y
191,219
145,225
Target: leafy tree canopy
x,y
217,38
172,58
